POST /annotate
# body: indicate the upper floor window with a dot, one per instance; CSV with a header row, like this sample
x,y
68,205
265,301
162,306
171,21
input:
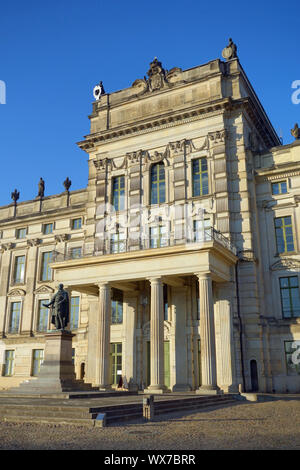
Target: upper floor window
x,y
15,311
284,234
46,272
21,233
74,312
158,184
117,242
202,230
158,236
76,252
290,296
19,272
47,229
42,322
119,193
200,177
76,223
279,188
117,306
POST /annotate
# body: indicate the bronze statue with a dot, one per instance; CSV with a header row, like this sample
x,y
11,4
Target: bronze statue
x,y
296,131
230,51
41,188
59,306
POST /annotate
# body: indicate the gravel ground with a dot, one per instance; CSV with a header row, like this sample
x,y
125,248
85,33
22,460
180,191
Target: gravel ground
x,y
245,425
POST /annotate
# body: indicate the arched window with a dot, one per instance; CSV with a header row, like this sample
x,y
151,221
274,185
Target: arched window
x,y
158,184
200,177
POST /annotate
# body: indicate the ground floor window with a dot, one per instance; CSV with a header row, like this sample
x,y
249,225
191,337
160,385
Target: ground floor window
x,y
117,307
74,311
116,363
37,361
292,357
9,363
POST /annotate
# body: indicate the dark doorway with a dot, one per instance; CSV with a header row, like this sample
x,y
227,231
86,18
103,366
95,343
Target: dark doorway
x,y
82,370
254,376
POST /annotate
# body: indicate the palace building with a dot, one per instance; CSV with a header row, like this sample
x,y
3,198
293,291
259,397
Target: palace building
x,y
181,256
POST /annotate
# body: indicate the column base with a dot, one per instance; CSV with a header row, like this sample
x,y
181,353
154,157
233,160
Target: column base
x,y
104,388
207,390
156,389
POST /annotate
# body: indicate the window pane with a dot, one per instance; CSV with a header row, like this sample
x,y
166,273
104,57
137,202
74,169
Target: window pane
x,y
158,187
74,311
9,363
42,316
15,317
19,269
38,359
200,177
46,270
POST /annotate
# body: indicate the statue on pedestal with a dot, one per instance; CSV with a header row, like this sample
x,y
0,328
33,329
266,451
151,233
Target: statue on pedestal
x,y
59,306
296,132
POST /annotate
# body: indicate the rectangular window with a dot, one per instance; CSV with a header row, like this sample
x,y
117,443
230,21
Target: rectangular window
x,y
290,296
76,224
116,362
291,357
118,185
15,311
76,253
9,363
74,312
117,242
42,323
158,184
21,233
200,177
284,234
202,230
158,236
37,361
279,188
47,229
46,270
166,305
117,307
19,272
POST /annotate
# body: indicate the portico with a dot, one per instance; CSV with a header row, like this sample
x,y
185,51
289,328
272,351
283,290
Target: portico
x,y
141,275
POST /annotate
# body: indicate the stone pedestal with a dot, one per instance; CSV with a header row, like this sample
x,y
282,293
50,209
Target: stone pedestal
x,y
57,373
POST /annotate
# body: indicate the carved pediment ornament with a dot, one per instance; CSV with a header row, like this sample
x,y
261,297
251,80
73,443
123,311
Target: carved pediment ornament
x,y
44,290
285,263
217,137
6,246
16,293
157,78
61,238
34,242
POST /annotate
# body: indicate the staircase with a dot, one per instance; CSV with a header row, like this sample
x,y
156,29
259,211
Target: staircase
x,y
75,414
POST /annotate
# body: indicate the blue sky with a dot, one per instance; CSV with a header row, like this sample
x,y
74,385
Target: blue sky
x,y
53,53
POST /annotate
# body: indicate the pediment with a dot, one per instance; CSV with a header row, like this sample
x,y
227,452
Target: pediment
x,y
285,263
44,290
16,293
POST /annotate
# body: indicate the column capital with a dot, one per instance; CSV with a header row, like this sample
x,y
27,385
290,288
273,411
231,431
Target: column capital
x,y
155,280
203,275
102,284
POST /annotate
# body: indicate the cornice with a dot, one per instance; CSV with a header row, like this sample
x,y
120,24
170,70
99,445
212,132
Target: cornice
x,y
156,123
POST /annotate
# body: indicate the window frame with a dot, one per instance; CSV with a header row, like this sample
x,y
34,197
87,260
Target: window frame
x,y
157,184
16,281
73,223
200,173
289,288
18,230
120,191
75,325
284,235
4,374
273,183
43,253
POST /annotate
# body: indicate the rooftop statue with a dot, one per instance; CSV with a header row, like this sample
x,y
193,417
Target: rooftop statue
x,y
296,132
15,196
67,184
230,51
41,192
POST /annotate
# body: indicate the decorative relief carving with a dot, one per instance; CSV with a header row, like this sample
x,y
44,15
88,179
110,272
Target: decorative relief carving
x,y
61,238
217,137
44,290
157,78
33,242
285,263
6,247
16,293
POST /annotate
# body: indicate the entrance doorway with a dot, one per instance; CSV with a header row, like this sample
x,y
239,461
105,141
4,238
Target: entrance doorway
x,y
254,375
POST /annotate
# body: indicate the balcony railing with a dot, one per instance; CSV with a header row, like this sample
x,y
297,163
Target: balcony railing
x,y
125,245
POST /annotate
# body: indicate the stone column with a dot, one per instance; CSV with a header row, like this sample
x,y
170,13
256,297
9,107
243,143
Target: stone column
x,y
207,336
157,337
102,349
